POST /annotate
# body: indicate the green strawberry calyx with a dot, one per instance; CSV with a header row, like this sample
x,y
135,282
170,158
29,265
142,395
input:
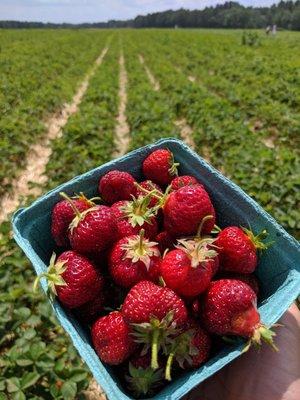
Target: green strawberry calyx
x,y
161,197
138,211
53,275
262,334
173,170
257,240
199,251
154,335
79,216
143,381
139,248
181,349
82,196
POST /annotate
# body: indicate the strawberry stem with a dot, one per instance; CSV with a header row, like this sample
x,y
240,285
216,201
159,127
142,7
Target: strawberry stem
x,y
206,218
154,349
141,239
70,201
168,367
149,192
216,229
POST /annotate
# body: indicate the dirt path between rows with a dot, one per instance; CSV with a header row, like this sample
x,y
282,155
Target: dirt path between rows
x,y
39,153
94,391
122,132
186,131
151,78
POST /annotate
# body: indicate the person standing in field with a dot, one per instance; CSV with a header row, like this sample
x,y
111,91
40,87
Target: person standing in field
x,y
274,30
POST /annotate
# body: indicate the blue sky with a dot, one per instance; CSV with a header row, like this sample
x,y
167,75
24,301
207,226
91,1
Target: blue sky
x,y
97,10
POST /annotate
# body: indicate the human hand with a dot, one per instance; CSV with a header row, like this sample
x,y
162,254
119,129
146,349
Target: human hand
x,y
263,374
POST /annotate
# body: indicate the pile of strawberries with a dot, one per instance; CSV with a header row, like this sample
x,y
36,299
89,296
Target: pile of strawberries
x,y
152,275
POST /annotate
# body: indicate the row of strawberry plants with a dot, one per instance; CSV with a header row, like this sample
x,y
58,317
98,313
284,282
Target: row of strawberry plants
x,y
244,78
270,67
39,72
38,359
87,139
270,176
149,115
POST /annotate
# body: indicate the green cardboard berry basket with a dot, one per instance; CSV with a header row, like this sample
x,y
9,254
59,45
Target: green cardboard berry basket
x,y
278,271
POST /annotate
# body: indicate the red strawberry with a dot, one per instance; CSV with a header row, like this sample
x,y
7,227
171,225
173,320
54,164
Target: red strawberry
x,y
165,241
190,348
90,311
229,308
156,311
184,210
159,167
62,216
142,379
112,338
189,268
94,230
250,279
73,278
117,185
132,216
149,186
238,249
134,259
184,180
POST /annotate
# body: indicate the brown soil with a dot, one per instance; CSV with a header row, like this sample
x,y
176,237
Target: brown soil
x,y
186,132
94,392
122,132
39,153
151,78
269,142
205,153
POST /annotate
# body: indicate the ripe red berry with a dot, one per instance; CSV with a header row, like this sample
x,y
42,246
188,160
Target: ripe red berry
x,y
146,300
184,180
117,185
73,278
159,167
189,268
155,312
238,250
134,259
62,216
93,230
111,337
184,210
229,308
249,279
132,216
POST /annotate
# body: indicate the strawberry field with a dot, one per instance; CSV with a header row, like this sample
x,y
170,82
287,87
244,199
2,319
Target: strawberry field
x,y
237,105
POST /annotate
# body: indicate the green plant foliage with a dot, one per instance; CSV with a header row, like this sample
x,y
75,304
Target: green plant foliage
x,y
39,72
36,359
251,137
242,104
87,139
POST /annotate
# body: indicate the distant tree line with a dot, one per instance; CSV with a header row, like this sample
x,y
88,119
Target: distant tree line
x,y
285,14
